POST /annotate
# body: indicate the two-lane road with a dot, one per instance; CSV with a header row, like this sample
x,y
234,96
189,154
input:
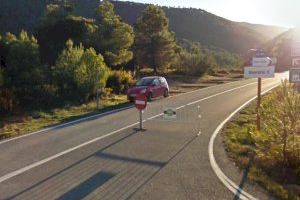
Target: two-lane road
x,y
103,157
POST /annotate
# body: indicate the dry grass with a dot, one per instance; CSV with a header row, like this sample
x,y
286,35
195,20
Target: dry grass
x,y
13,126
240,143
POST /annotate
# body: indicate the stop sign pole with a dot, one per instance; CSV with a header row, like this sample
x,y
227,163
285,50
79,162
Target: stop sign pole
x,y
141,104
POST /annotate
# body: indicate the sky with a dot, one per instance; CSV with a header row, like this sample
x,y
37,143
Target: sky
x,y
271,12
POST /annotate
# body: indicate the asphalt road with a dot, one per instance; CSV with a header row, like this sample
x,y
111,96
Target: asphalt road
x,y
106,158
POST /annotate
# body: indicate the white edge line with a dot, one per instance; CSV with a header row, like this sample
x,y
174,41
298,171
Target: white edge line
x,y
24,169
213,86
226,91
180,107
223,178
20,171
99,115
66,124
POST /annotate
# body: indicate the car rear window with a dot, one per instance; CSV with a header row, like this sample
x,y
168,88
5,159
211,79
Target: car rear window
x,y
145,82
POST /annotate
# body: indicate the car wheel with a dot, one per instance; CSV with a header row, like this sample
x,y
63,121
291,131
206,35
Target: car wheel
x,y
149,96
166,93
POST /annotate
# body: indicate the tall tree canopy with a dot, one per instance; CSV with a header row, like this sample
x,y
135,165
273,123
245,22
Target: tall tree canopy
x,y
155,45
114,37
57,27
22,74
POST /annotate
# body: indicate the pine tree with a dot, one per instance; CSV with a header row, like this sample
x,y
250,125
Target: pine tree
x,y
155,44
114,37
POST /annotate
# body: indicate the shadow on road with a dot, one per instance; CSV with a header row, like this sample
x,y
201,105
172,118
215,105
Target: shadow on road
x,y
88,186
98,180
132,160
74,165
244,179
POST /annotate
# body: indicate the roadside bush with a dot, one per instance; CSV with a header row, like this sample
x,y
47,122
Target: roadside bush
x,y
22,74
119,81
278,146
194,63
79,72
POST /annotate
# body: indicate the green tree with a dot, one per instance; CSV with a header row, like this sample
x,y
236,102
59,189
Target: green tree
x,y
57,27
114,37
76,72
155,45
23,75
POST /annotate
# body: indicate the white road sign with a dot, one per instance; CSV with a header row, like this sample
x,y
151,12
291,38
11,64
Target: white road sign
x,y
261,62
295,52
295,75
296,62
259,72
169,113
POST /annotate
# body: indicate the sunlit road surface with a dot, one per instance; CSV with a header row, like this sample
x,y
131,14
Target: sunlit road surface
x,y
107,158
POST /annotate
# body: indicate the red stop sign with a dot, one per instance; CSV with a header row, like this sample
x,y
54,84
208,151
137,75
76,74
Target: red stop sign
x,y
140,102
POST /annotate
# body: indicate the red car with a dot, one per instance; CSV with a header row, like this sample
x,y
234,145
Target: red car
x,y
151,87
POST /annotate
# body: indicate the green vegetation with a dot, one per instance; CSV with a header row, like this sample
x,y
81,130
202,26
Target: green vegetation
x,y
70,58
23,75
276,148
196,59
120,81
155,45
79,72
113,37
187,23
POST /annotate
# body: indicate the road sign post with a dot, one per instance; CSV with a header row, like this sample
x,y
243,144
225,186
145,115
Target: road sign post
x,y
261,68
141,104
258,104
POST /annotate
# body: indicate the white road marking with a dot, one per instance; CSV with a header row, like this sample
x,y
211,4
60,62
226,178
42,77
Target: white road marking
x,y
226,91
24,169
66,124
31,166
205,88
235,189
97,115
180,107
199,133
155,116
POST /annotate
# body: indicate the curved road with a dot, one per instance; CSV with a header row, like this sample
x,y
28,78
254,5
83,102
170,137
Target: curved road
x,y
104,157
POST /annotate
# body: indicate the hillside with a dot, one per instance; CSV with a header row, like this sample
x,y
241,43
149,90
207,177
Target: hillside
x,y
269,32
188,23
280,47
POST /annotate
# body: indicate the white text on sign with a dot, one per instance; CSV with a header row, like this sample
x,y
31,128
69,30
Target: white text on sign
x,y
259,72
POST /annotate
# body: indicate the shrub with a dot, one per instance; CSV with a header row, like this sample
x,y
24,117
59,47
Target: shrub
x,y
119,81
22,75
79,72
278,144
